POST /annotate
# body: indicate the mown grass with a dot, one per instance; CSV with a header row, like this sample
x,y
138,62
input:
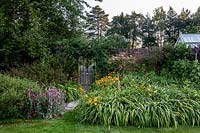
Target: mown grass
x,y
68,124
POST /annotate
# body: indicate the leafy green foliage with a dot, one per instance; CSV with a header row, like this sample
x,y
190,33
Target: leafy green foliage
x,y
97,22
41,73
102,54
29,29
163,58
185,69
61,64
160,29
179,52
172,31
12,94
120,25
71,90
21,98
145,101
179,61
129,26
148,32
150,61
68,55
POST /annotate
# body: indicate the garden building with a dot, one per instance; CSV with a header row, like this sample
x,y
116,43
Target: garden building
x,y
192,40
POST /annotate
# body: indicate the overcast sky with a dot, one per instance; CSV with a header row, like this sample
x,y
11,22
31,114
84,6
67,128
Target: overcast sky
x,y
115,7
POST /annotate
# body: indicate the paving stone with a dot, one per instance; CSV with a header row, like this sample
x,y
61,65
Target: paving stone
x,y
71,105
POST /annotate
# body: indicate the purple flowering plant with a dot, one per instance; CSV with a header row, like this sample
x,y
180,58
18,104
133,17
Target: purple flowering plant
x,y
44,104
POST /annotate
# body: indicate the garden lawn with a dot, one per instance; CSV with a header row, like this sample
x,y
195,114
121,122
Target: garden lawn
x,y
67,124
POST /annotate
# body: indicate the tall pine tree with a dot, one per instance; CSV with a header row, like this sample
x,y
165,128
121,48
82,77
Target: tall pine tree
x,y
159,19
97,22
148,32
120,26
171,28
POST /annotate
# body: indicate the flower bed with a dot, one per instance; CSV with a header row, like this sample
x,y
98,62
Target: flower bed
x,y
21,98
145,101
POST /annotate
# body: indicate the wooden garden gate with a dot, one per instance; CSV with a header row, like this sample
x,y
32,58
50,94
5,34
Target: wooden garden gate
x,y
86,77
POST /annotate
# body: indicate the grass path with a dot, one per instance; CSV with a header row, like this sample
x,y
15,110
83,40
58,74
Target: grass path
x,y
67,124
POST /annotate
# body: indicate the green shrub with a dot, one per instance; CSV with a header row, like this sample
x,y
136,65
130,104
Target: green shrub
x,y
150,61
158,59
42,73
72,91
179,52
171,54
185,69
12,94
145,101
164,58
21,98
